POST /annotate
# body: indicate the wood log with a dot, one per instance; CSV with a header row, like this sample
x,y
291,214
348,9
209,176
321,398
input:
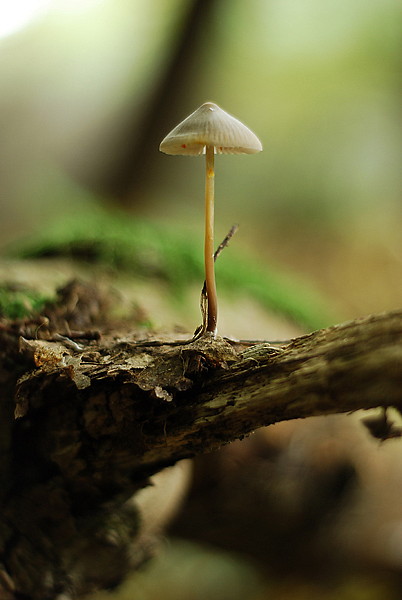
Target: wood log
x,y
86,422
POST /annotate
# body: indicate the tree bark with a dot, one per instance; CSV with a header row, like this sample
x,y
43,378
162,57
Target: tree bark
x,y
86,422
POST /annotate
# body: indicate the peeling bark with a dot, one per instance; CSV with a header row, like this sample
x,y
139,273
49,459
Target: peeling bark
x,y
85,423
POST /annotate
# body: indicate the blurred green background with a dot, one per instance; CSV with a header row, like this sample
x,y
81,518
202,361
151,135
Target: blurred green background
x,y
90,87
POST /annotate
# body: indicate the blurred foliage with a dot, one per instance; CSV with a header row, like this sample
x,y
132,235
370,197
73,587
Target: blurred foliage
x,y
17,302
318,81
190,572
153,251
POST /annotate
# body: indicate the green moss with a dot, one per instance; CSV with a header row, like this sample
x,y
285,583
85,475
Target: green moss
x,y
19,302
148,250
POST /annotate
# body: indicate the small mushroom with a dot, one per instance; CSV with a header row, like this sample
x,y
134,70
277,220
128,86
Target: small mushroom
x,y
210,130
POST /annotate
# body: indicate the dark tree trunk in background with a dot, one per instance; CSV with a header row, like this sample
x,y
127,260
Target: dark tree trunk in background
x,y
127,180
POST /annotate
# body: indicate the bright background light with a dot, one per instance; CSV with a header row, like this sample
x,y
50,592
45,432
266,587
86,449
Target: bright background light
x,y
19,13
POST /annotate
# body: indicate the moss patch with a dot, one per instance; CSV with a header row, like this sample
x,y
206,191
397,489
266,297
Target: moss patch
x,y
17,302
148,250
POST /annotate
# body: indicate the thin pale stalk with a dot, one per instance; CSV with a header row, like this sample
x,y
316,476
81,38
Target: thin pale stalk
x,y
209,242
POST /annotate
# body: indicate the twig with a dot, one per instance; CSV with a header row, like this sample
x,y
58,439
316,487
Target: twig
x,y
201,329
204,297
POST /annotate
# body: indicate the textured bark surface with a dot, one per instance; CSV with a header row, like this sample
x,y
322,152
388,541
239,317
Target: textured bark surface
x,y
86,421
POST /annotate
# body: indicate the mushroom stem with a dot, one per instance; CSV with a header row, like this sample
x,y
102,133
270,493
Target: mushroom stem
x,y
212,299
210,127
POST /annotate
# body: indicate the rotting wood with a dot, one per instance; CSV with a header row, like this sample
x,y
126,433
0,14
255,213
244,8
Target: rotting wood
x,y
84,426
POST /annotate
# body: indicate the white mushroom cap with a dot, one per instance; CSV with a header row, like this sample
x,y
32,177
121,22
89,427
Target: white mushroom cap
x,y
209,125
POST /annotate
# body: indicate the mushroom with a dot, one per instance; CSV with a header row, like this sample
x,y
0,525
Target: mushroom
x,y
210,130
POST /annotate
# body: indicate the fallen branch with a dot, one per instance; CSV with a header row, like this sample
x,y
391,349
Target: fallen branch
x,y
171,403
92,425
